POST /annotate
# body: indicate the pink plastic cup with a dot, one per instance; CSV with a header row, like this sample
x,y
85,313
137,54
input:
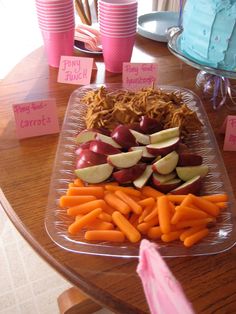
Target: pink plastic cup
x,y
58,44
113,55
117,3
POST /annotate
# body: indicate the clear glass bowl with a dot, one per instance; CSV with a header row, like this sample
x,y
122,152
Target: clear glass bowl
x,y
222,235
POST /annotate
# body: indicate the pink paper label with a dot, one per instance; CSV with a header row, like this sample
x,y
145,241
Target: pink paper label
x,y
75,70
36,118
230,134
139,74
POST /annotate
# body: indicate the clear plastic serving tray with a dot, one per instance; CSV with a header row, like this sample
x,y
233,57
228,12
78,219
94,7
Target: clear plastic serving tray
x,y
222,236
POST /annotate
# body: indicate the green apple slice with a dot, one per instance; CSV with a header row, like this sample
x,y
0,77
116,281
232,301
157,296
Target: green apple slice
x,y
94,174
188,172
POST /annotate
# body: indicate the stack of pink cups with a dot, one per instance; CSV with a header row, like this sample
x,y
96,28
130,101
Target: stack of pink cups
x,y
117,23
57,23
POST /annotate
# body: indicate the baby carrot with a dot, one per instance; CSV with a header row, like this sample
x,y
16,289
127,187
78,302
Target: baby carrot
x,y
205,205
125,226
96,191
222,205
171,236
134,219
71,184
194,222
97,224
146,211
117,203
216,198
176,199
85,208
187,201
144,226
78,182
104,235
127,190
190,231
68,201
136,208
150,201
164,213
196,237
185,213
154,232
76,226
153,214
105,217
148,191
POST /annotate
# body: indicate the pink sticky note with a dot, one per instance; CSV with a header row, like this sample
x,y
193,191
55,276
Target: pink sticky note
x,y
139,74
163,292
75,70
36,118
230,134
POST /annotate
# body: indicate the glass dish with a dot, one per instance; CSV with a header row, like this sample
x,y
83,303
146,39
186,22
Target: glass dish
x,y
222,236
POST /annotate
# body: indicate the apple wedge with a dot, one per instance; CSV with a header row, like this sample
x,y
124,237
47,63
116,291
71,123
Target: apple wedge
x,y
164,135
103,148
140,137
125,160
145,155
106,139
143,179
82,147
189,159
123,136
89,158
95,174
149,125
191,186
164,147
128,175
166,164
162,178
167,186
188,172
86,135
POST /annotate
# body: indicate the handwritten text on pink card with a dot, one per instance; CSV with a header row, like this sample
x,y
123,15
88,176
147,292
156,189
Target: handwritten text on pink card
x,y
75,70
36,118
230,134
139,74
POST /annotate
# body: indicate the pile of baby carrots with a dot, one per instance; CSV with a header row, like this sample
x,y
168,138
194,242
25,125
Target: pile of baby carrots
x,y
114,213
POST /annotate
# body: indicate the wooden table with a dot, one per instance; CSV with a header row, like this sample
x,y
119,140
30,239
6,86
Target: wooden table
x,y
26,167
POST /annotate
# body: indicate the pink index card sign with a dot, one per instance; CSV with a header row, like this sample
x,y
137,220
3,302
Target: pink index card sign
x,y
230,133
139,74
75,70
36,118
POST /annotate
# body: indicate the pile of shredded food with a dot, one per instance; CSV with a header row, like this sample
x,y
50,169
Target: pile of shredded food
x,y
108,109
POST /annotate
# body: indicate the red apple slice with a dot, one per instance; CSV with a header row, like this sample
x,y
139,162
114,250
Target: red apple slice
x,y
145,155
189,159
95,174
188,172
191,186
127,175
106,139
125,160
122,135
103,148
166,164
149,125
82,147
140,137
166,187
89,158
164,147
162,178
164,135
143,179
